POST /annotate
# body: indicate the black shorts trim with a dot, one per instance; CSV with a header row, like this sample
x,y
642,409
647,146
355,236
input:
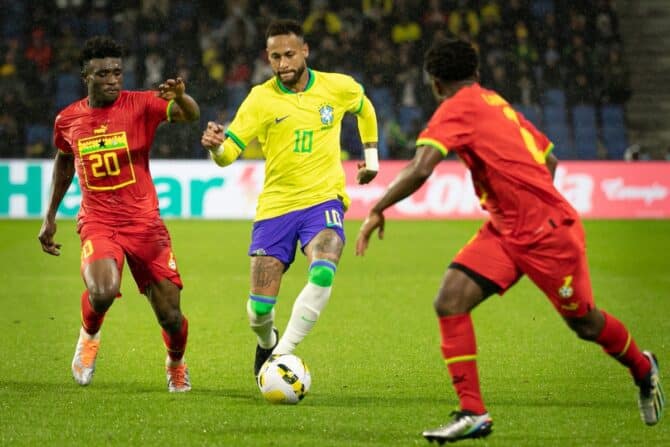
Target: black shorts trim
x,y
488,286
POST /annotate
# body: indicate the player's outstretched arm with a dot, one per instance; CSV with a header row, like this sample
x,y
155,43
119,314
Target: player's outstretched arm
x,y
63,172
184,108
408,180
374,221
368,169
223,151
367,128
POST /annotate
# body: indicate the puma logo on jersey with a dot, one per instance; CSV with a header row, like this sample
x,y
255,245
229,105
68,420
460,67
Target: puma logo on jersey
x,y
280,119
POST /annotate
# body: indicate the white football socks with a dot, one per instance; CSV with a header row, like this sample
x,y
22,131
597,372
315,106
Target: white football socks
x,y
306,310
262,326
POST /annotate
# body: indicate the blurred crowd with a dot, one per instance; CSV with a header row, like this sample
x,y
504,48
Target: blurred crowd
x,y
527,48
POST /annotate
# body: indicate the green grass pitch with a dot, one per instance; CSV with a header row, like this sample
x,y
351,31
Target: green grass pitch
x,y
378,377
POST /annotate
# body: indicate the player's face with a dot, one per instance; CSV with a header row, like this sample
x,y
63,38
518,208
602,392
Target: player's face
x,y
287,54
104,78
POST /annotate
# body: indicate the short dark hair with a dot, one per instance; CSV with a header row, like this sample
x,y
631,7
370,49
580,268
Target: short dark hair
x,y
284,26
451,59
99,47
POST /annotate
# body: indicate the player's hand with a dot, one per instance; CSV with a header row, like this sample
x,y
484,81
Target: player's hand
x,y
171,89
364,175
375,220
46,238
213,136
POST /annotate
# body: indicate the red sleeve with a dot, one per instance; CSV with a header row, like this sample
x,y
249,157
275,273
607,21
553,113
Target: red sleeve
x,y
451,126
58,138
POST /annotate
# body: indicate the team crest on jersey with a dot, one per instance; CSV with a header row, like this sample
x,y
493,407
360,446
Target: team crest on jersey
x,y
566,290
327,115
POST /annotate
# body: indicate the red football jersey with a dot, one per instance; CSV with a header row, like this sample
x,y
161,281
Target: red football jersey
x,y
506,156
111,149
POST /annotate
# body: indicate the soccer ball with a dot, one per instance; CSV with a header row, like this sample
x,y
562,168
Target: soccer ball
x,y
284,379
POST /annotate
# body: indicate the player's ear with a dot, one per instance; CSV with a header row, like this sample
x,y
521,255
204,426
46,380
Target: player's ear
x,y
83,73
305,50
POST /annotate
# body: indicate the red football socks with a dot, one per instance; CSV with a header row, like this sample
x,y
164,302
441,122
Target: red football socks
x,y
619,344
176,342
459,350
90,319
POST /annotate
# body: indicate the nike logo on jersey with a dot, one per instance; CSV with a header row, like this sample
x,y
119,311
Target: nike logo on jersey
x,y
280,119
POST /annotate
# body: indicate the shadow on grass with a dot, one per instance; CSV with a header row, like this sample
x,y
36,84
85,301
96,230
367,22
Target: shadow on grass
x,y
569,402
36,388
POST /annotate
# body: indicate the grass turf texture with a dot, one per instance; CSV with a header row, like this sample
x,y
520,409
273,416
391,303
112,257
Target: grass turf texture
x,y
378,377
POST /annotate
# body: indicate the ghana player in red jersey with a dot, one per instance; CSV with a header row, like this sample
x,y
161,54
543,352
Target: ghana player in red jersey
x,y
532,230
106,137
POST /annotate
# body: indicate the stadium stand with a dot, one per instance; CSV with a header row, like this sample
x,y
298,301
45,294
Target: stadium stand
x,y
559,62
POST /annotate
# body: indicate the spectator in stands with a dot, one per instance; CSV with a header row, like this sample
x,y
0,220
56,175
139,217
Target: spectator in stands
x,y
39,51
238,26
262,71
12,120
434,17
321,21
464,19
615,80
524,49
579,90
408,87
548,29
527,41
406,27
377,12
514,12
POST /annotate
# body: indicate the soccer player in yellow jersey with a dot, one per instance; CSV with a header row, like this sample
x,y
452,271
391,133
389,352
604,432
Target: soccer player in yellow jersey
x,y
296,117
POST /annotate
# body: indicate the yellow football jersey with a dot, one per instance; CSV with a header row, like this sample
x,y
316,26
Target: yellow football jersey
x,y
299,134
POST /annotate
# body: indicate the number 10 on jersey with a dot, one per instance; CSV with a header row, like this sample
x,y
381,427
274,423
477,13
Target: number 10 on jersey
x,y
303,141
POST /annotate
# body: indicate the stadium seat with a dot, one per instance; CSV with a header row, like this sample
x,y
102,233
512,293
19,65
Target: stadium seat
x,y
384,102
38,133
540,8
554,97
615,142
531,113
612,115
585,130
553,114
586,143
235,94
584,117
67,89
614,130
559,134
408,116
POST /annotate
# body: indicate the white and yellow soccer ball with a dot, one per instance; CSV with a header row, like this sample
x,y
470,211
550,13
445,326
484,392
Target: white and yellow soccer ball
x,y
284,379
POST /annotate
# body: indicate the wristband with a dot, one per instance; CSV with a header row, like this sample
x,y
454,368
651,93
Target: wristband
x,y
371,159
216,153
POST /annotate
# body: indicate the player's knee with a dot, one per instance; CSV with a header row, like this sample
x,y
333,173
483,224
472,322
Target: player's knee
x,y
589,326
584,329
102,296
322,272
261,305
171,320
